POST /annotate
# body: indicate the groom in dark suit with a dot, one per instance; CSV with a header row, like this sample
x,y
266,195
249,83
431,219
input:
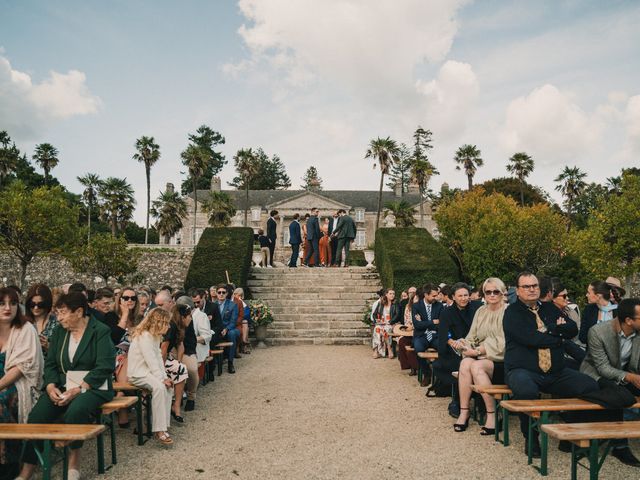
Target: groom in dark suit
x,y
345,231
295,239
272,227
313,235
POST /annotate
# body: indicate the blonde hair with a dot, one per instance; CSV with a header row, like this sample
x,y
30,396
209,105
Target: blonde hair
x,y
497,282
239,292
156,322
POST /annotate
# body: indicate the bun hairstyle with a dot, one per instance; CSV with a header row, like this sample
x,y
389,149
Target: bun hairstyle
x,y
184,310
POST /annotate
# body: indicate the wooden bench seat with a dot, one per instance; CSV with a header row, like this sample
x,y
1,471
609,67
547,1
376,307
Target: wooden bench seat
x,y
143,400
224,344
49,433
218,353
539,410
586,438
499,394
118,403
429,356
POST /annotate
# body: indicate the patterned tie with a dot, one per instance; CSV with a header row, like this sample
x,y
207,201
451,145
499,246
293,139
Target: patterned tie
x,y
544,354
429,311
429,332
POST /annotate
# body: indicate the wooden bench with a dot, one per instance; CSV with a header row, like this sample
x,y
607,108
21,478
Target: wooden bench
x,y
499,393
218,353
143,400
49,433
430,356
539,410
586,438
107,417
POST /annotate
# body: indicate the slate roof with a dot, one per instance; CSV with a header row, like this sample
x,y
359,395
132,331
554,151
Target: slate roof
x,y
367,199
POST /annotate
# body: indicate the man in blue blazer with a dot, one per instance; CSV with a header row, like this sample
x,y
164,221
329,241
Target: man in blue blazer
x,y
229,313
295,239
313,235
426,317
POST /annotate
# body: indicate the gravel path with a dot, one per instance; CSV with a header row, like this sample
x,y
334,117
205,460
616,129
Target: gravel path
x,y
326,412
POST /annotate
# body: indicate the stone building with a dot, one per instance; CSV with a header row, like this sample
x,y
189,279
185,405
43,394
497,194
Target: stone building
x,y
362,205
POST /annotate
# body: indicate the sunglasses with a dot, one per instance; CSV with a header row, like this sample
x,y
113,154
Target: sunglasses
x,y
492,292
221,292
127,298
563,295
37,305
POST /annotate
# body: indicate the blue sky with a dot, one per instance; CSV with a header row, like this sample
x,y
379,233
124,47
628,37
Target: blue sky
x,y
314,81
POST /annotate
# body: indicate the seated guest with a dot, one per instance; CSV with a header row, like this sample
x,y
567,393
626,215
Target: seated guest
x,y
172,350
77,375
574,353
408,361
201,325
240,304
143,303
229,314
238,295
600,308
534,353
387,314
146,369
103,306
183,309
483,353
426,317
21,366
39,303
614,355
455,322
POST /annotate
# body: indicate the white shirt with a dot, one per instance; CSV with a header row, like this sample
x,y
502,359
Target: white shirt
x,y
202,327
73,346
626,344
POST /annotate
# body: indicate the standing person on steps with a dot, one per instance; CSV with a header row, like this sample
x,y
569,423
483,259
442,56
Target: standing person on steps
x,y
313,236
272,226
345,231
295,239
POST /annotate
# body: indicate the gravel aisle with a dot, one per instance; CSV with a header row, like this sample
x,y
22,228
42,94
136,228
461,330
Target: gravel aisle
x,y
326,412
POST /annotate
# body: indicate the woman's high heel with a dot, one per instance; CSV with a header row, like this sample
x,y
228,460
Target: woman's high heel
x,y
485,431
461,427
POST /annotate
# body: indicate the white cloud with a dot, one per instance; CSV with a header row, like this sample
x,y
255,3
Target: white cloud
x,y
548,124
632,118
26,107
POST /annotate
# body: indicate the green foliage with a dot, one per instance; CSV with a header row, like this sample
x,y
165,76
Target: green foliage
x,y
221,249
35,221
169,209
491,235
260,312
220,208
116,203
106,256
403,211
468,159
356,258
521,165
401,170
266,174
588,200
510,187
311,179
366,314
134,233
385,152
570,184
411,256
206,139
46,155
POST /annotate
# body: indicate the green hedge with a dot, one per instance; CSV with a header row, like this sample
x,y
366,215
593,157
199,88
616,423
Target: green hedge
x,y
356,258
411,256
220,249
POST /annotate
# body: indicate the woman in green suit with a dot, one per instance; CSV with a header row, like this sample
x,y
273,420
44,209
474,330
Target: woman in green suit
x,y
77,375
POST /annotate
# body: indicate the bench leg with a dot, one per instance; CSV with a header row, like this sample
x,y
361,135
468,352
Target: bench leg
x,y
46,460
100,447
594,464
505,427
544,443
139,417
112,427
148,414
530,441
219,359
65,463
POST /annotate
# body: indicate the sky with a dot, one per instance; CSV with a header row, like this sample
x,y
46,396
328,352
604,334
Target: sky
x,y
315,81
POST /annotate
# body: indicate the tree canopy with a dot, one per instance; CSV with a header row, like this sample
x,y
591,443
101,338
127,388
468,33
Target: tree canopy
x,y
207,140
270,174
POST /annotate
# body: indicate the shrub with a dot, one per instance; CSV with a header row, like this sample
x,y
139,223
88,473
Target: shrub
x,y
220,250
356,258
411,256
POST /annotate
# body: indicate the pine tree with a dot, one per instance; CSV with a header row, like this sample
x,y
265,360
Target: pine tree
x,y
311,179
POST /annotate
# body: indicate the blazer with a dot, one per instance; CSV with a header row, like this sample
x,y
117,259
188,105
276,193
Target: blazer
x,y
603,355
145,359
421,326
313,228
589,319
395,312
271,229
95,353
455,324
332,222
295,234
229,314
346,228
202,328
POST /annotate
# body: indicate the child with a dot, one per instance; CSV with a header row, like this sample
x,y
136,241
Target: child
x,y
264,248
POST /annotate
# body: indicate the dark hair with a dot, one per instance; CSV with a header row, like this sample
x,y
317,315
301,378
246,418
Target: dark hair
x,y
193,292
627,308
19,320
39,290
383,298
546,286
601,288
306,215
230,288
523,274
73,301
77,287
176,320
380,292
447,291
104,292
167,288
222,285
16,288
91,295
556,286
460,286
428,288
202,292
296,216
273,213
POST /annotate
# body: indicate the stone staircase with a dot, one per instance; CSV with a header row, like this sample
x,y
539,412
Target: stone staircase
x,y
316,306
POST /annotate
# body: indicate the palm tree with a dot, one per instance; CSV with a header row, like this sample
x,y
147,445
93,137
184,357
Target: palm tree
x,y
521,166
148,153
91,182
169,210
196,160
247,168
468,158
403,211
46,155
421,172
220,208
572,184
117,203
8,157
386,152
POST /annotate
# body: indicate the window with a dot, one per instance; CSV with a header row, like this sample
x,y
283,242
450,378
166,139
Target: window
x,y
361,238
255,214
286,236
359,214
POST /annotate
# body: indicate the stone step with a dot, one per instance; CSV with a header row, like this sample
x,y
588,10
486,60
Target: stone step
x,y
303,270
268,296
304,302
315,274
318,333
314,288
319,317
315,309
309,283
317,341
313,324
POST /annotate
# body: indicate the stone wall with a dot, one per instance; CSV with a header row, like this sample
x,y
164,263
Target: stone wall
x,y
156,267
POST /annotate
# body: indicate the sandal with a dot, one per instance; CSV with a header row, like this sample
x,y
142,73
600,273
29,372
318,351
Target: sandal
x,y
485,431
461,427
164,438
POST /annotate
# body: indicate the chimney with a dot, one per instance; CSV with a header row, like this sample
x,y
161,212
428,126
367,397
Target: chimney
x,y
170,188
216,184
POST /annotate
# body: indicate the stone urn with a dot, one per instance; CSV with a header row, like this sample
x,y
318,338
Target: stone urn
x,y
257,258
369,256
261,335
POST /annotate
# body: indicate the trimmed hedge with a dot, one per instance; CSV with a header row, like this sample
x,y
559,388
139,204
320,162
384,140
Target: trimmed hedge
x,y
411,256
220,249
356,258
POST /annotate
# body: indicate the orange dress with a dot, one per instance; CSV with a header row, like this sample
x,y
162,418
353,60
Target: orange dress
x,y
325,246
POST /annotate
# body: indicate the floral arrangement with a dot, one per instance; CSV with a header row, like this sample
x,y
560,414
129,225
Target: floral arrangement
x,y
260,312
366,315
